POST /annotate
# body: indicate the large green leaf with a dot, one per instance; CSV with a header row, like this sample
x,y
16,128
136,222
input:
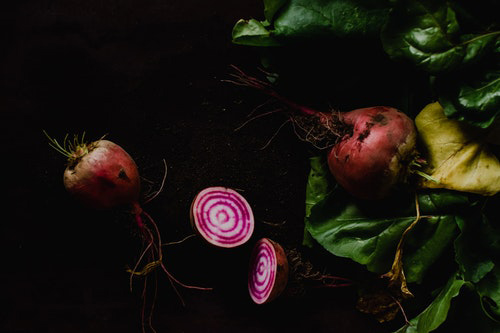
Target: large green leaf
x,y
472,97
427,33
336,18
428,242
435,314
287,20
368,233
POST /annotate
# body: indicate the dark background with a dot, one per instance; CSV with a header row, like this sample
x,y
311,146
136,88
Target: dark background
x,y
149,75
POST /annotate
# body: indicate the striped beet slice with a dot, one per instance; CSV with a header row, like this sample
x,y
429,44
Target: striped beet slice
x,y
268,272
222,217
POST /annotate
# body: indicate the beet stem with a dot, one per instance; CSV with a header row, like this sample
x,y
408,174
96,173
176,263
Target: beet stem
x,y
243,79
139,221
318,127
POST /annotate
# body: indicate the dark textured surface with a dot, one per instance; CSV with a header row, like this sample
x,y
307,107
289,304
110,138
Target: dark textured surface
x,y
147,73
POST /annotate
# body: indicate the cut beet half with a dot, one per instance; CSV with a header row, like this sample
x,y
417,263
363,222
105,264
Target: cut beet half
x,y
268,273
222,217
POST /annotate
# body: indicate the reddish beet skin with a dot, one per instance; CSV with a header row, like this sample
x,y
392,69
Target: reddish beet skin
x,y
105,177
371,159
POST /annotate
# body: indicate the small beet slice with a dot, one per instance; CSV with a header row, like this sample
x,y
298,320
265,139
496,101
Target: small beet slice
x,y
268,272
222,217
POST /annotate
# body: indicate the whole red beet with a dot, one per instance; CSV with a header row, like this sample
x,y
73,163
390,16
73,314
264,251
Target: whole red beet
x,y
370,160
370,149
102,175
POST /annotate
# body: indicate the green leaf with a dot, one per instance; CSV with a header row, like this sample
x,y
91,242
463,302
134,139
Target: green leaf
x,y
319,184
477,251
478,45
427,33
489,291
369,234
473,97
476,247
253,33
435,314
337,18
287,20
271,7
430,240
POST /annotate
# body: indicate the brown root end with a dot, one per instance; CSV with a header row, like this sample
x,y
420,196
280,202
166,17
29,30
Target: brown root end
x,y
323,130
304,275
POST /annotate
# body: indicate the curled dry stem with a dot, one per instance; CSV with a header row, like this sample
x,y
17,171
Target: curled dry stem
x,y
396,274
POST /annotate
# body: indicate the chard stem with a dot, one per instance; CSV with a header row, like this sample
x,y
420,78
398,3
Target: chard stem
x,y
426,176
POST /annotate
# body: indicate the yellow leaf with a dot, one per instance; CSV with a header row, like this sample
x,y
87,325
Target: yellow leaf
x,y
457,157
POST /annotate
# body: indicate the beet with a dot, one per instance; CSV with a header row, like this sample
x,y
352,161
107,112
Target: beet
x,y
268,271
369,161
102,175
370,150
222,217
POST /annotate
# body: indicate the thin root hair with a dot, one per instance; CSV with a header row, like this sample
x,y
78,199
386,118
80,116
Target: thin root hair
x,y
274,135
162,184
257,117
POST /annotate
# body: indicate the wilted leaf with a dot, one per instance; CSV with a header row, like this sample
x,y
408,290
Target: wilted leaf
x,y
456,156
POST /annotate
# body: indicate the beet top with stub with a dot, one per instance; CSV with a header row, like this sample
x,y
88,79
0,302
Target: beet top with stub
x,y
102,175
